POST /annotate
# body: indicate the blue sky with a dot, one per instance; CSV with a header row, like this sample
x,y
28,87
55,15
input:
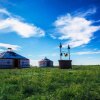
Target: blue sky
x,y
34,28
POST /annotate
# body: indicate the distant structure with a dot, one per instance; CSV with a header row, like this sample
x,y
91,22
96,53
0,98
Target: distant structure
x,y
45,63
65,64
10,59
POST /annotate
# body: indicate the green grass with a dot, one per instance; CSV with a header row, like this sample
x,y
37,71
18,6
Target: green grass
x,y
79,83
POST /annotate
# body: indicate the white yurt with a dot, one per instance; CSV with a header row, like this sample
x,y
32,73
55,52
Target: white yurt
x,y
10,59
45,63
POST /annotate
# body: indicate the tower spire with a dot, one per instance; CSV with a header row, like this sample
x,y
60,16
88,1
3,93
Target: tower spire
x,y
60,46
69,51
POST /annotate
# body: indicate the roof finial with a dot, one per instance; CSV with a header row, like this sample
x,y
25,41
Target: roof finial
x,y
45,58
10,49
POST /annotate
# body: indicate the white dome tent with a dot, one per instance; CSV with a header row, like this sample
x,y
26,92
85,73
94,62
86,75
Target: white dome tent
x,y
10,59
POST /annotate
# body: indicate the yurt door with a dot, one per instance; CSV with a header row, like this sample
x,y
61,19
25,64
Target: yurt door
x,y
48,64
16,63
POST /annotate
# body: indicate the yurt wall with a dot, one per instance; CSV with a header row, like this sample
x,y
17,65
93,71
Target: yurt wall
x,y
42,63
6,63
45,63
24,63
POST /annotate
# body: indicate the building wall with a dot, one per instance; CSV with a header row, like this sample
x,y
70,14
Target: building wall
x,y
6,63
45,64
42,64
51,63
24,63
9,63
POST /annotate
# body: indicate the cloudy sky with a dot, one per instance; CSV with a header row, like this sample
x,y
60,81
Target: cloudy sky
x,y
34,28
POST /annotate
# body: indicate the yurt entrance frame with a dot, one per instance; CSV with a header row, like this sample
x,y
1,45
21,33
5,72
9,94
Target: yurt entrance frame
x,y
16,63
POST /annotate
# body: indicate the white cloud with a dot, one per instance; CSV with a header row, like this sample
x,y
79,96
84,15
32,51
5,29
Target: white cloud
x,y
34,62
1,50
87,52
15,24
52,36
86,13
4,11
76,30
14,47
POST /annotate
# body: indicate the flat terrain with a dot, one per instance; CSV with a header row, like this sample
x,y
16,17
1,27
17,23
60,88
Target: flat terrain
x,y
79,83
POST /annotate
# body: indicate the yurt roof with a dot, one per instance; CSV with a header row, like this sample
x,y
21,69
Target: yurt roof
x,y
46,59
11,55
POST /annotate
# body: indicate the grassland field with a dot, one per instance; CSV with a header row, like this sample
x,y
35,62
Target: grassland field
x,y
78,83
